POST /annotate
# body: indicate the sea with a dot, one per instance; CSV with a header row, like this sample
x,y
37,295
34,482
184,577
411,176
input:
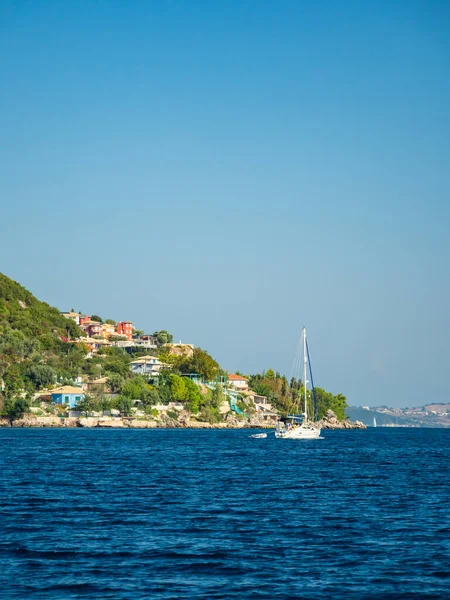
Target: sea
x,y
182,513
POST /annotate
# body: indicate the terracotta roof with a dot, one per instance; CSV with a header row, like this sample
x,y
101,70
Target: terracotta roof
x,y
67,389
99,380
235,377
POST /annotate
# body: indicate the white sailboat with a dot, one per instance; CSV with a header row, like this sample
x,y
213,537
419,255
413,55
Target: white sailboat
x,y
298,427
374,421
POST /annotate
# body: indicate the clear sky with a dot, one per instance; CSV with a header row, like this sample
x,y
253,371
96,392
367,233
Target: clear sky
x,y
232,170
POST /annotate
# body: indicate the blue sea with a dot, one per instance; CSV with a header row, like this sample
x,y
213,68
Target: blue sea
x,y
170,514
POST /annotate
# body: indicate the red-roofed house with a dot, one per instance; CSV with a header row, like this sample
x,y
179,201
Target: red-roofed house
x,y
238,382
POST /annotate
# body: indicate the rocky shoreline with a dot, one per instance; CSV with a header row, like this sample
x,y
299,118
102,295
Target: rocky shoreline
x,y
329,421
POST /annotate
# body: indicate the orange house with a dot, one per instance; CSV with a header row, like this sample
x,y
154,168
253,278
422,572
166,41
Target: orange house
x,y
125,328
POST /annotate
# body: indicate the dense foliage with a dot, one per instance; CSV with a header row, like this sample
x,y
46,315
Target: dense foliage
x,y
34,343
288,396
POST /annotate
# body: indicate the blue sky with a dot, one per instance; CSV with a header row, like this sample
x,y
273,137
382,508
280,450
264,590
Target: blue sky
x,y
230,171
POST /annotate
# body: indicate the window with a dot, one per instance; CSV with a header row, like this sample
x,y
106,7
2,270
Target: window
x,y
77,399
66,400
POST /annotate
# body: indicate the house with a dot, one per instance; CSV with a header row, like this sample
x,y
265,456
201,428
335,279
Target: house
x,y
84,319
72,315
151,339
94,345
125,328
107,330
99,385
238,382
67,395
147,365
94,329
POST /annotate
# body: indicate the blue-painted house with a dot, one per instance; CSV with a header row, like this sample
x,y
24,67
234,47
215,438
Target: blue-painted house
x,y
67,395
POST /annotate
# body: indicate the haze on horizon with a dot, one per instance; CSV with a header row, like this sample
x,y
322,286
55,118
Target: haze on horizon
x,y
232,171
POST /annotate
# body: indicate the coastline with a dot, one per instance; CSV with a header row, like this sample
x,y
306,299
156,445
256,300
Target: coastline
x,y
32,421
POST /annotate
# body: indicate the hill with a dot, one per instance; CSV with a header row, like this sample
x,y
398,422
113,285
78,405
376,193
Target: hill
x,y
41,349
426,416
33,339
22,311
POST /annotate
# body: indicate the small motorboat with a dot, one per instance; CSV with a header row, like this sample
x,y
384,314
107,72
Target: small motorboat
x,y
258,435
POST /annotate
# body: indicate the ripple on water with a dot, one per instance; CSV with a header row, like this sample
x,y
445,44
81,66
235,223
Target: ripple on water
x,y
210,514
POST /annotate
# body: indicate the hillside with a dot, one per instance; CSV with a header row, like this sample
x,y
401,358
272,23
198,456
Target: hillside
x,y
22,311
41,349
33,334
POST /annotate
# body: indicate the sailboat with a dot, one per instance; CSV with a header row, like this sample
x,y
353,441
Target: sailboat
x,y
298,427
374,421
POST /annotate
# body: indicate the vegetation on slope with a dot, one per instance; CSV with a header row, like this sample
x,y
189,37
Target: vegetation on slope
x,y
37,352
288,396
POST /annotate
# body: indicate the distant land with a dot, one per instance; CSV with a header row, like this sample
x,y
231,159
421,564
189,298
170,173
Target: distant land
x,y
429,415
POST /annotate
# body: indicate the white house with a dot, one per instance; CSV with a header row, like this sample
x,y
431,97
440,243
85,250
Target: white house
x,y
147,365
72,315
238,382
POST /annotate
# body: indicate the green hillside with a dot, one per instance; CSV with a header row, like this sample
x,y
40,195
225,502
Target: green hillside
x,y
22,311
33,340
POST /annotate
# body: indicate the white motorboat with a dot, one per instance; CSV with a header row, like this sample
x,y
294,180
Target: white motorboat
x,y
298,427
259,436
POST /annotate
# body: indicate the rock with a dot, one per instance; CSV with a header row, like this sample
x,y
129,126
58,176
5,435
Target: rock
x,y
110,423
330,421
33,421
141,424
87,422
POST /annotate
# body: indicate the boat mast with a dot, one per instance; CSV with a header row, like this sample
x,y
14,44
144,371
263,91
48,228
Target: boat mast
x,y
305,360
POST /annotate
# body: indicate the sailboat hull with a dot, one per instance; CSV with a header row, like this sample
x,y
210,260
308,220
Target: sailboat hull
x,y
304,432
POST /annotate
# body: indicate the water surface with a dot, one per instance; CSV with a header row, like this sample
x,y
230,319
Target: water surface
x,y
131,514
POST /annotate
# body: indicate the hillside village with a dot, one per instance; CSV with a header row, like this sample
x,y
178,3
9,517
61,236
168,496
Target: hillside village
x,y
70,365
237,402
234,388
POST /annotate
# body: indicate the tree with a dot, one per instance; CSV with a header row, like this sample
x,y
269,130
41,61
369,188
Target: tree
x,y
124,405
105,404
96,318
40,375
13,379
163,337
201,363
177,387
217,397
14,408
115,383
109,321
326,401
193,395
119,364
151,398
135,388
270,374
262,389
88,405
